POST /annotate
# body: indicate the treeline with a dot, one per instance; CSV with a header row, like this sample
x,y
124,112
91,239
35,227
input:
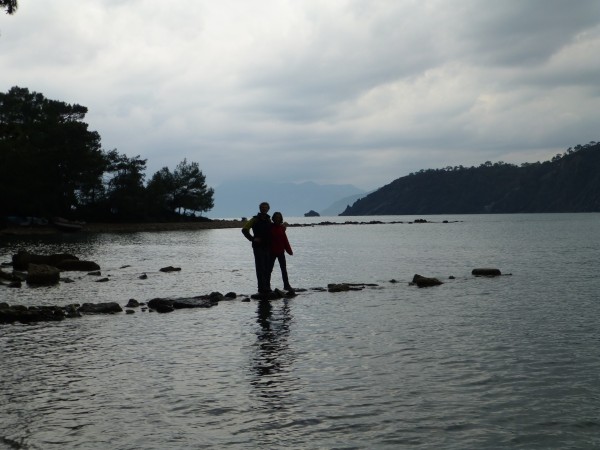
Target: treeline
x,y
51,164
569,182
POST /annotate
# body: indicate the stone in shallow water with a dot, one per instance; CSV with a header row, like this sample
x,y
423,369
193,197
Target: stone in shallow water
x,y
42,274
486,272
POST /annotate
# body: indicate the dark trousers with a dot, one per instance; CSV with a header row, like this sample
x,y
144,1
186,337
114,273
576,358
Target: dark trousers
x,y
282,265
262,261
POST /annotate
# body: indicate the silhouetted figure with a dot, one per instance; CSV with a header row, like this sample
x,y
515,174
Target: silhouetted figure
x,y
261,246
279,247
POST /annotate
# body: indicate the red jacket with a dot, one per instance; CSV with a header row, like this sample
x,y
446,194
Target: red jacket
x,y
279,241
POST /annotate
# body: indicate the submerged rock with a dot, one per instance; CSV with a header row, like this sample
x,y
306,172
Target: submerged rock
x,y
170,269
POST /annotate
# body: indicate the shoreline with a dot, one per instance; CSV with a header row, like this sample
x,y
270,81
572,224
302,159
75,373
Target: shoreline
x,y
142,227
124,227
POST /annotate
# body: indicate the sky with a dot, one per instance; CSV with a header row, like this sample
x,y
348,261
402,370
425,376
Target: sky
x,y
330,91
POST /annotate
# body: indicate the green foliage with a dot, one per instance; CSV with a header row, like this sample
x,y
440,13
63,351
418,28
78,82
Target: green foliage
x,y
52,165
189,189
570,182
47,155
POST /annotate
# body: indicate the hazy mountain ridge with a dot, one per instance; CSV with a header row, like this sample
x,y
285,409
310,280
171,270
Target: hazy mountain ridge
x,y
241,198
570,182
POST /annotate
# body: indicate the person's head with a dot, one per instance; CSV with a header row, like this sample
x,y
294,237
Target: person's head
x,y
277,217
264,207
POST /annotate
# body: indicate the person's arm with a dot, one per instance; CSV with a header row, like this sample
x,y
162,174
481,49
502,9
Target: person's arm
x,y
246,229
288,247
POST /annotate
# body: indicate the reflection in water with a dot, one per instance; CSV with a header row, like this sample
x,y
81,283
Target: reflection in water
x,y
271,364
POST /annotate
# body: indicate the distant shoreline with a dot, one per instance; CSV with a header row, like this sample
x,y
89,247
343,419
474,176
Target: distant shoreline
x,y
125,227
177,226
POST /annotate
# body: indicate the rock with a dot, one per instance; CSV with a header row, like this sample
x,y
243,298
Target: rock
x,y
231,295
486,272
129,311
23,258
18,313
161,305
170,269
274,295
342,287
164,305
14,284
6,276
42,274
100,308
194,302
143,276
216,296
72,265
101,280
422,281
132,303
95,273
312,213
67,280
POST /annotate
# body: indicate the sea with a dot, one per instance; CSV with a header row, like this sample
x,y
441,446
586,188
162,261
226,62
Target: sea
x,y
475,363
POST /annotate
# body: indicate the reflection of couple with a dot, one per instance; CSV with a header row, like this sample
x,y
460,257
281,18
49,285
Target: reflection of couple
x,y
269,243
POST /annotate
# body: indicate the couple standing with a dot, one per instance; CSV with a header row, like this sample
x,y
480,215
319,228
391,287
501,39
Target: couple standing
x,y
269,243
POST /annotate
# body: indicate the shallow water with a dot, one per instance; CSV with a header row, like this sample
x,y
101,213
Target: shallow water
x,y
475,363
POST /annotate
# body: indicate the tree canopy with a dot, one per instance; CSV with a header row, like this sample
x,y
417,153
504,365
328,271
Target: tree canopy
x,y
51,164
9,5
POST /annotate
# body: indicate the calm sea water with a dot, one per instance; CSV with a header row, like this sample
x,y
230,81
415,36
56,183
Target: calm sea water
x,y
507,362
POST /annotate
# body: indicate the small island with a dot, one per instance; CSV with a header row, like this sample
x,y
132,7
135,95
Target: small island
x,y
312,213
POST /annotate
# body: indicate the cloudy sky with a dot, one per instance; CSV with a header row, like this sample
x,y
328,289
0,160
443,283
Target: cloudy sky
x,y
331,91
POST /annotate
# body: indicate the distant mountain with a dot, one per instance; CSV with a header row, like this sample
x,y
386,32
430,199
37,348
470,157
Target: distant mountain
x,y
570,182
340,206
241,198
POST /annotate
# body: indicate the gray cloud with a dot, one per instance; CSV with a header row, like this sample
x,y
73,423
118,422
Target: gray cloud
x,y
357,92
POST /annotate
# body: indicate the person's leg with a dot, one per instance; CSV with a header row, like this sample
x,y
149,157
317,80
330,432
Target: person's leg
x,y
262,269
270,266
284,274
257,266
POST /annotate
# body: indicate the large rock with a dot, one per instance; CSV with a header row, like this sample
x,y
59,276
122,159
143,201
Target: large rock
x,y
23,258
42,274
76,265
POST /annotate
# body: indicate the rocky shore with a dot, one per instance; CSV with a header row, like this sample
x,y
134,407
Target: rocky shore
x,y
176,226
46,270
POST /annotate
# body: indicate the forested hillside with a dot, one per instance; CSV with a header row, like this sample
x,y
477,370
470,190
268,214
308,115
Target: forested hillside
x,y
570,182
